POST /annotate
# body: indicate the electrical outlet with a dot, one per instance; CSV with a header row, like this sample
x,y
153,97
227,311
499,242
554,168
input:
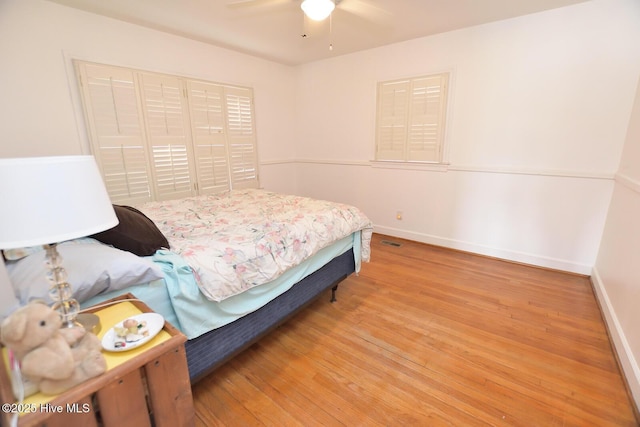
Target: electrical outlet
x,y
399,215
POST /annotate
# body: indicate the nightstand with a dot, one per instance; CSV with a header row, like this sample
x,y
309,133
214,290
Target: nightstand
x,y
145,386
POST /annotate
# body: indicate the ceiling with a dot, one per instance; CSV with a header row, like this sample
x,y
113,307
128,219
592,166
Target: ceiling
x,y
274,29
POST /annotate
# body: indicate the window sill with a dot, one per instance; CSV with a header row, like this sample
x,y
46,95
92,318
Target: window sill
x,y
388,164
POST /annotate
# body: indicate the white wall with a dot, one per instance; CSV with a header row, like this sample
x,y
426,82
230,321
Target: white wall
x,y
40,104
538,119
538,113
539,107
616,275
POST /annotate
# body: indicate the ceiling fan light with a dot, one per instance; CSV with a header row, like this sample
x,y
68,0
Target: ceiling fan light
x,y
317,9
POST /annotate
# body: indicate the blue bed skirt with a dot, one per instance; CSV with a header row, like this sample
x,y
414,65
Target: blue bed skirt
x,y
209,351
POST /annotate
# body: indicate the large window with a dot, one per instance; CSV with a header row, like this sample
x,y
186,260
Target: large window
x,y
411,119
158,136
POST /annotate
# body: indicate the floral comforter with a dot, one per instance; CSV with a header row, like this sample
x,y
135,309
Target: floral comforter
x,y
243,238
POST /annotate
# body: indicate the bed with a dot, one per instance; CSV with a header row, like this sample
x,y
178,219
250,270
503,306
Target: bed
x,y
225,269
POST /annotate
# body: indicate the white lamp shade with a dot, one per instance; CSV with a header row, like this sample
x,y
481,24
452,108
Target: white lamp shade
x,y
317,9
51,199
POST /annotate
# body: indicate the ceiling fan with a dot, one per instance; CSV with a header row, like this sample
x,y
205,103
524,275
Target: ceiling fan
x,y
319,10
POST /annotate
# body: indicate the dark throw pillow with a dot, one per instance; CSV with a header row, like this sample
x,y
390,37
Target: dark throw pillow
x,y
135,233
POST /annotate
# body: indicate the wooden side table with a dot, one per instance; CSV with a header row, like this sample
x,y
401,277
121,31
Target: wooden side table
x,y
145,386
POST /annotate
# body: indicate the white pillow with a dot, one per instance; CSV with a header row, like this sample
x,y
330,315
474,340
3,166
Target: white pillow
x,y
92,268
8,300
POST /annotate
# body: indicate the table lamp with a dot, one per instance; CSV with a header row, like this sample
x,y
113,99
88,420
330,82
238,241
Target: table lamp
x,y
48,200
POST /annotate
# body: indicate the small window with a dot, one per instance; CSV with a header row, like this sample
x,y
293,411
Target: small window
x,y
411,118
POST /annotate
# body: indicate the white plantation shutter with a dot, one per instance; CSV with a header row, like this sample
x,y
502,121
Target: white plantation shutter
x,y
393,111
206,103
158,137
411,119
118,140
241,137
426,118
169,140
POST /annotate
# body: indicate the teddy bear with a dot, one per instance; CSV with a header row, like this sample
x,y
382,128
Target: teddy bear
x,y
52,357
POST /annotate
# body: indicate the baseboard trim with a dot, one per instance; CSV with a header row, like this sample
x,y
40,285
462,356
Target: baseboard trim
x,y
521,257
628,363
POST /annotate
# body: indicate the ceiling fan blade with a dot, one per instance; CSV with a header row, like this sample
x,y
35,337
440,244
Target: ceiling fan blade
x,y
365,10
244,3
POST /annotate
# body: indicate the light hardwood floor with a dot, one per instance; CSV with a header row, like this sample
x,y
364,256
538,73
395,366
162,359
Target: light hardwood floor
x,y
427,336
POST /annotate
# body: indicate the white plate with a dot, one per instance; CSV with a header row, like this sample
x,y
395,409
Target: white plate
x,y
154,324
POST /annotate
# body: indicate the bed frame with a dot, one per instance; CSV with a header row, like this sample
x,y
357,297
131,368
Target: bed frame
x,y
211,350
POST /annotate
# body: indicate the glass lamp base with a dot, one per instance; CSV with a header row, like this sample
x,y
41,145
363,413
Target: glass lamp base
x,y
60,290
90,322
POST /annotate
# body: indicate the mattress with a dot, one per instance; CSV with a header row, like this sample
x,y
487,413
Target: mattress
x,y
211,350
179,300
